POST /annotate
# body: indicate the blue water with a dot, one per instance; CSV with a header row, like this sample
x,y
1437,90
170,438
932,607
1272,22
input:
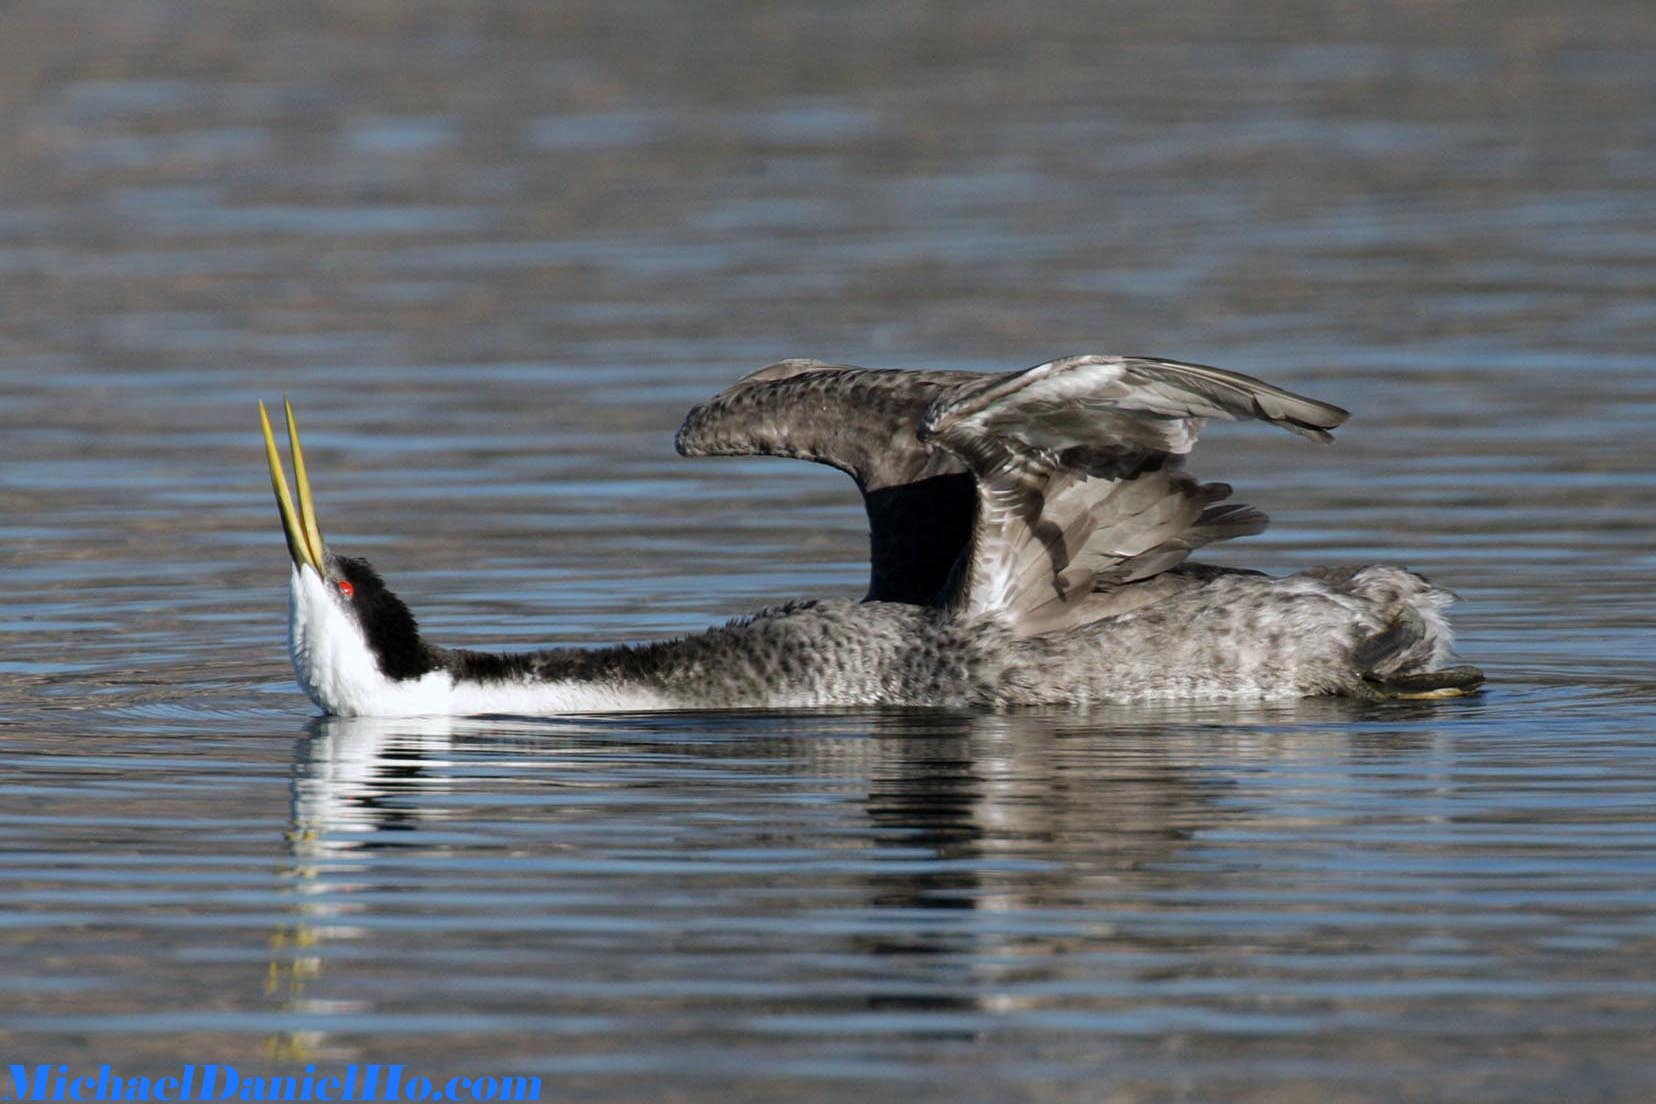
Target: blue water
x,y
493,256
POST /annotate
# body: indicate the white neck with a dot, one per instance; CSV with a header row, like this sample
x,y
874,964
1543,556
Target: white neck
x,y
339,672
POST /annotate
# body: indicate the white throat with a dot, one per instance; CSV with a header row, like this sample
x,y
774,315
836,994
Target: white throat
x,y
335,666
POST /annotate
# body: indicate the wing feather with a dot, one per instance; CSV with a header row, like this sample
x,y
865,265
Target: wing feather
x,y
862,421
1049,497
1080,483
920,501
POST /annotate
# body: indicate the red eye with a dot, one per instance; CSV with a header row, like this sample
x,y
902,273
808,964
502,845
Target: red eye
x,y
346,589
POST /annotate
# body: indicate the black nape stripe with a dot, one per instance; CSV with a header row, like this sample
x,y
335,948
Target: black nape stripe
x,y
393,634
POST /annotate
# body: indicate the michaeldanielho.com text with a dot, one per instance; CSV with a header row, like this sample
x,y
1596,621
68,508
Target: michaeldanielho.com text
x,y
369,1084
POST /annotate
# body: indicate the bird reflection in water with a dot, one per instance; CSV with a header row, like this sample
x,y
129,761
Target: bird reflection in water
x,y
936,861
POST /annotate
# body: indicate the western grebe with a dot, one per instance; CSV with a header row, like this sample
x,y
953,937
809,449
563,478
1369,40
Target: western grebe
x,y
1028,532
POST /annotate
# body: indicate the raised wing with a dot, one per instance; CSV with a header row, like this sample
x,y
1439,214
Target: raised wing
x,y
920,501
862,421
1079,484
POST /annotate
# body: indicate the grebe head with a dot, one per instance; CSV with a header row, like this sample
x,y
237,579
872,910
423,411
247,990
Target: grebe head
x,y
355,645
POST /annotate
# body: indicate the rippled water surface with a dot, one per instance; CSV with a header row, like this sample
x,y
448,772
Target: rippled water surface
x,y
493,252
